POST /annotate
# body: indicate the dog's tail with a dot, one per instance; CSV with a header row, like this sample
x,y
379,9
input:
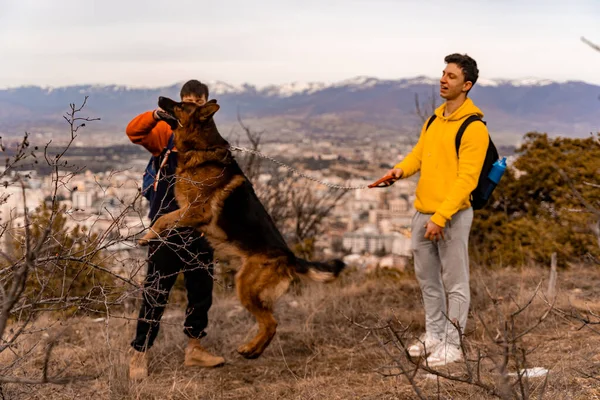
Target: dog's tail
x,y
319,271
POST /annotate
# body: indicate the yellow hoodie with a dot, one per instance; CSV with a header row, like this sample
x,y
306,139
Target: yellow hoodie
x,y
446,180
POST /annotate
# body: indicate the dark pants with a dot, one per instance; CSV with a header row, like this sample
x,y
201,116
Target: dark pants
x,y
185,252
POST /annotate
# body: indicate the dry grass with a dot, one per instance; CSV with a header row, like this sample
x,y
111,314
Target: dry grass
x,y
318,353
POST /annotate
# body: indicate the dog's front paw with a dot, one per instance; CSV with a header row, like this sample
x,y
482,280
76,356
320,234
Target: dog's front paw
x,y
145,240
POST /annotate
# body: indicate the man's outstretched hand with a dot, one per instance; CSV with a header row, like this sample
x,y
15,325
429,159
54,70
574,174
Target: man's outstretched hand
x,y
161,115
388,179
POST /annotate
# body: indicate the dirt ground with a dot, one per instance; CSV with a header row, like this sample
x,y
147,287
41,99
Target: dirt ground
x,y
324,348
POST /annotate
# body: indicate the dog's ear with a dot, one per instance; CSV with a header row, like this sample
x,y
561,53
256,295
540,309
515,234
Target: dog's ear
x,y
208,110
212,101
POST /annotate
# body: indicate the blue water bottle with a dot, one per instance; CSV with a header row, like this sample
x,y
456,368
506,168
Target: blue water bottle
x,y
495,175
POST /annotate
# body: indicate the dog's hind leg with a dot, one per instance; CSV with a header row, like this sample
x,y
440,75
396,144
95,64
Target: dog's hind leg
x,y
259,285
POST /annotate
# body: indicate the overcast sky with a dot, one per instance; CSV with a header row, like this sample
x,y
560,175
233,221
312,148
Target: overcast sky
x,y
152,43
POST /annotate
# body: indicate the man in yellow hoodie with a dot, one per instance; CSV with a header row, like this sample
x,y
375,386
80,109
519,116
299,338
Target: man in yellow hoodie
x,y
441,225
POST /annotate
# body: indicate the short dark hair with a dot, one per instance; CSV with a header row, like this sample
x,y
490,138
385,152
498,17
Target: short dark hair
x,y
194,88
466,64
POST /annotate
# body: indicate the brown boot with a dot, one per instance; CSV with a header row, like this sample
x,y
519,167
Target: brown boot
x,y
138,365
198,356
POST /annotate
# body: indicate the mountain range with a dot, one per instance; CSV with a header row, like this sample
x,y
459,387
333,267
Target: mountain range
x,y
361,107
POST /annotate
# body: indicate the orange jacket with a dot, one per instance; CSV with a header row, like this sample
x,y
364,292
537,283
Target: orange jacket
x,y
146,131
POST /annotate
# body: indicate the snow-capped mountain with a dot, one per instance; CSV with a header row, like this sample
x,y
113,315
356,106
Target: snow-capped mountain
x,y
511,107
355,84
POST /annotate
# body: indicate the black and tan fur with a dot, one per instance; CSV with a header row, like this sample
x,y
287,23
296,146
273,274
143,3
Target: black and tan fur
x,y
216,198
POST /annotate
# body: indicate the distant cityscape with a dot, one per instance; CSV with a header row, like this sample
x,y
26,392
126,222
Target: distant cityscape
x,y
369,228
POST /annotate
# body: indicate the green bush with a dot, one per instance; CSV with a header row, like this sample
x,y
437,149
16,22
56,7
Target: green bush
x,y
63,275
535,212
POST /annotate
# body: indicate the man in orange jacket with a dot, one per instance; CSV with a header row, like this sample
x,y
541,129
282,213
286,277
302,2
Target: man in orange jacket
x,y
442,223
184,251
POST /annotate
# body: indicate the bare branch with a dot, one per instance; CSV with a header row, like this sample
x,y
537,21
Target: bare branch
x,y
589,43
425,111
251,163
577,194
34,240
528,303
591,184
586,375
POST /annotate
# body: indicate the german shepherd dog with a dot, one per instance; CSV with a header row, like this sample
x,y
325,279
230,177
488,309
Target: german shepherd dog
x,y
216,199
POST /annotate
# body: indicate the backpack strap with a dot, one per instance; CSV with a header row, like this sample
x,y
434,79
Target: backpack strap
x,y
462,129
167,151
171,142
430,121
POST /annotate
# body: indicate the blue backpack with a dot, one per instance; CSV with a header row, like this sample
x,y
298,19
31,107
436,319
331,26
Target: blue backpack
x,y
152,174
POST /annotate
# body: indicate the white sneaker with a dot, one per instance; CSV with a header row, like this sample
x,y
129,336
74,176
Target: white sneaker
x,y
426,343
444,354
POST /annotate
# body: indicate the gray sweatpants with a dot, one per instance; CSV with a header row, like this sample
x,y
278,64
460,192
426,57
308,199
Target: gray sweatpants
x,y
444,265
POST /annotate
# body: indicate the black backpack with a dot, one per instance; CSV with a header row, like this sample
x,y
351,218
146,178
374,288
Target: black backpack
x,y
478,196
